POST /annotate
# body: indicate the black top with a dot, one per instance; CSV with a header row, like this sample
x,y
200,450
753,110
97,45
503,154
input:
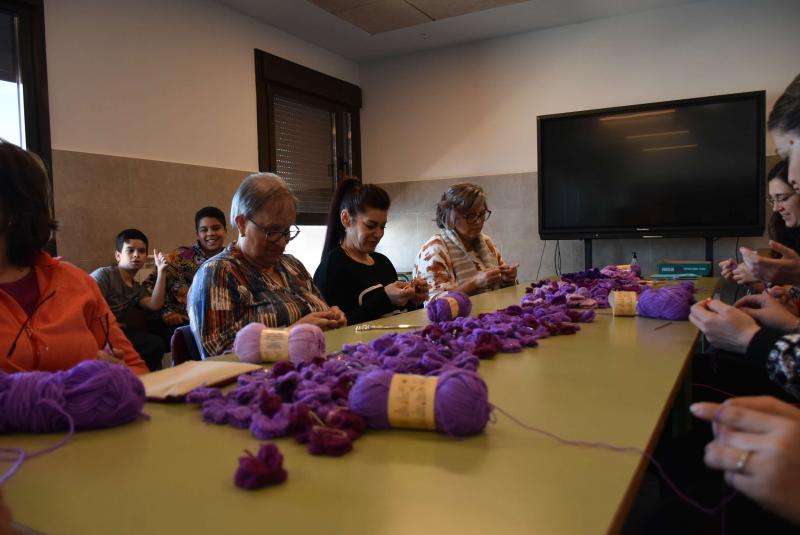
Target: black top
x,y
355,287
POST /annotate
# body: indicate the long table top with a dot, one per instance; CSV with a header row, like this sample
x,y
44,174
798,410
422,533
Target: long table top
x,y
613,382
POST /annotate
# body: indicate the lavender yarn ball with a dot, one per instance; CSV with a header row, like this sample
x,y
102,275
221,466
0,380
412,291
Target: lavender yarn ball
x,y
94,394
440,310
305,343
461,406
669,303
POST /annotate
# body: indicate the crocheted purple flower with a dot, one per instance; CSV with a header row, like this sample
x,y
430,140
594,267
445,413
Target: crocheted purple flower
x,y
259,471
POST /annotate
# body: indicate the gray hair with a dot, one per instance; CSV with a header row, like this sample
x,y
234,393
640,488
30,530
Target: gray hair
x,y
459,197
256,190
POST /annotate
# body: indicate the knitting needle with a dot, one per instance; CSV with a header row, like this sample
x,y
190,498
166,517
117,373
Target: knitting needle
x,y
367,327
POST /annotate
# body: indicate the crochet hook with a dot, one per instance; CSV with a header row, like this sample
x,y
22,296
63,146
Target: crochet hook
x,y
366,327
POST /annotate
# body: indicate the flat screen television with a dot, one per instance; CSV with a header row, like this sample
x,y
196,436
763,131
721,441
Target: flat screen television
x,y
691,167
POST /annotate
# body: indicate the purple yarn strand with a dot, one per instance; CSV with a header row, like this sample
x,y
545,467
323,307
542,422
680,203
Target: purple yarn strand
x,y
623,449
22,455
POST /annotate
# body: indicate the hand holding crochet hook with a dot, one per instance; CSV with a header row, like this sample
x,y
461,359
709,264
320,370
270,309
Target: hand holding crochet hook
x,y
726,327
508,273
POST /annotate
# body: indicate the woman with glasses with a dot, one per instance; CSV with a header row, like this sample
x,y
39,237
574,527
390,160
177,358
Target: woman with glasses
x,y
784,228
52,314
362,282
252,280
460,257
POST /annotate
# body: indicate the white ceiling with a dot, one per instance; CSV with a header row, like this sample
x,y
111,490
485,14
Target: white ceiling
x,y
316,25
378,16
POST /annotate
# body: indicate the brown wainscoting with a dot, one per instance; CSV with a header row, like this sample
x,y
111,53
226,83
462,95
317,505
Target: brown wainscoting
x,y
97,195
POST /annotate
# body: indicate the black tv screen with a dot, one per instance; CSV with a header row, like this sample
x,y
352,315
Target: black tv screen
x,y
690,167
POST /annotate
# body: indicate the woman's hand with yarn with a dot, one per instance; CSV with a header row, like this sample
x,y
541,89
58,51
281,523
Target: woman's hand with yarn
x,y
781,293
333,318
114,356
508,273
399,293
768,312
785,270
421,291
770,430
741,274
726,269
485,279
726,327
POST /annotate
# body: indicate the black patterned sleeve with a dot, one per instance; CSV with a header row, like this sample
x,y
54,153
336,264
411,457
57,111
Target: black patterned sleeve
x,y
782,357
783,363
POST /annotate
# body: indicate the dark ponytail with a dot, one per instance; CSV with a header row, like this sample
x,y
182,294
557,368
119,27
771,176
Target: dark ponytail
x,y
356,198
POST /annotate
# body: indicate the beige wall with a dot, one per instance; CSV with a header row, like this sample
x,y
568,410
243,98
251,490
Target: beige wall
x,y
469,112
163,80
153,114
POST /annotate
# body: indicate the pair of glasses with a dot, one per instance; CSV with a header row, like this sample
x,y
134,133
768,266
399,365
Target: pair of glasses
x,y
275,235
475,218
780,199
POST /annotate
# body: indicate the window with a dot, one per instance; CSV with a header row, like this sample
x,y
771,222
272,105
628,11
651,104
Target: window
x,y
308,131
24,111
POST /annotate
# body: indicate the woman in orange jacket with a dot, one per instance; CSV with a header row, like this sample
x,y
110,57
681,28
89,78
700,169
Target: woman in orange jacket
x,y
52,314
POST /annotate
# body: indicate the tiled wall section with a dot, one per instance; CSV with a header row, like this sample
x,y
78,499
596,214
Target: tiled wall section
x,y
96,196
514,228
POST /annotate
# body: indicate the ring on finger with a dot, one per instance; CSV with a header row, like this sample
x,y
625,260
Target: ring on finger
x,y
742,461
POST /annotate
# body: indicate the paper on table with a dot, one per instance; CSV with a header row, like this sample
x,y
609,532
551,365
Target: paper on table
x,y
175,383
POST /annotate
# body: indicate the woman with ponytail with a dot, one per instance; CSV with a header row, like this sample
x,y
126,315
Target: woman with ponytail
x,y
352,275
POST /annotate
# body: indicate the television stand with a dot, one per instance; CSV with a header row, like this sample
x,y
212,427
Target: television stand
x,y
587,252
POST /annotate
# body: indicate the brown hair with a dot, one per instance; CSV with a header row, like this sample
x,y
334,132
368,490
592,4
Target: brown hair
x,y
458,197
26,206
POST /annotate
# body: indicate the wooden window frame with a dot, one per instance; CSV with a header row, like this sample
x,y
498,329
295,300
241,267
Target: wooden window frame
x,y
277,76
33,72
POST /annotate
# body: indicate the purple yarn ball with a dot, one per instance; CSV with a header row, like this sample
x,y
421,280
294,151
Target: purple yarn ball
x,y
94,394
439,309
461,406
669,303
305,343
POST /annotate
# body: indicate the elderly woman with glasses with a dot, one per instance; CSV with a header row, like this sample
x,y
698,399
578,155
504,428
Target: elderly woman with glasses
x,y
460,257
252,280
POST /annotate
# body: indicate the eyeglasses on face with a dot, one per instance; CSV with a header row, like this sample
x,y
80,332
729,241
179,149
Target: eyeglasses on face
x,y
274,236
475,218
780,198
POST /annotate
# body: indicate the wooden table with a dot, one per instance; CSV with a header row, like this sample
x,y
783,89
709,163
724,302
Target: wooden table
x,y
614,382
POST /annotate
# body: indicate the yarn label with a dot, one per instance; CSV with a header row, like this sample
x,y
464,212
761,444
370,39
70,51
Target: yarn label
x,y
411,401
274,345
453,306
624,303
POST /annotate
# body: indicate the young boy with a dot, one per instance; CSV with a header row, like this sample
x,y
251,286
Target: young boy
x,y
128,299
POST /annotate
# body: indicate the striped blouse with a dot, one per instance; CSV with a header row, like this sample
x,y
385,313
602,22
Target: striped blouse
x,y
228,292
445,268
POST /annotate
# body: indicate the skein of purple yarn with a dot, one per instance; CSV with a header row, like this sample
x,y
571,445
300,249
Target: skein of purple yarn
x,y
439,309
461,407
669,303
94,394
